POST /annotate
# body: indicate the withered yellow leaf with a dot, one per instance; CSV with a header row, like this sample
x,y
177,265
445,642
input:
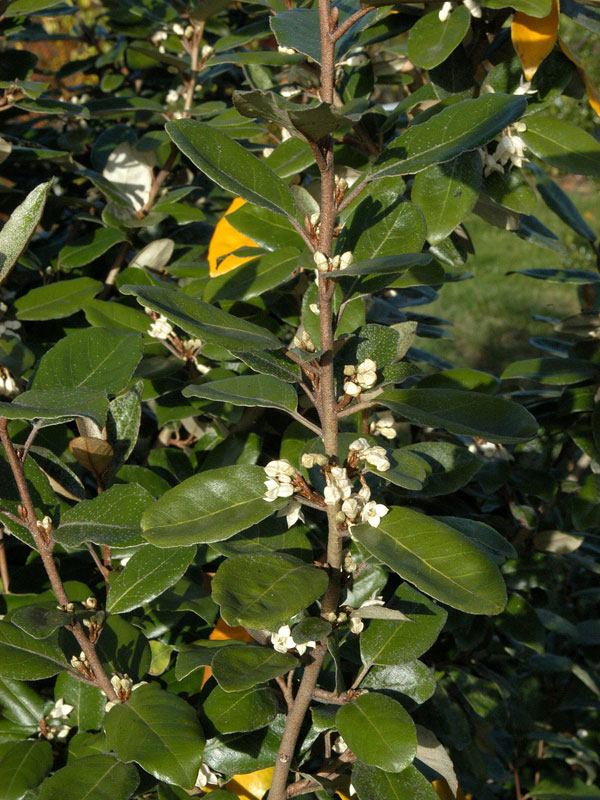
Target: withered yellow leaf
x,y
225,240
592,89
534,38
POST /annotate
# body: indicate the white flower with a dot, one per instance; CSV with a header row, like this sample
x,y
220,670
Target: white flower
x,y
315,308
378,460
280,468
289,91
490,164
356,625
339,746
510,148
332,495
8,386
352,389
445,11
206,777
288,51
474,8
373,512
178,29
310,459
206,51
321,261
359,445
160,36
358,60
385,425
276,489
366,373
161,328
352,507
292,513
347,259
60,709
172,96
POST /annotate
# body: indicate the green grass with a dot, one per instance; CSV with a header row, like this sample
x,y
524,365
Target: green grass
x,y
491,314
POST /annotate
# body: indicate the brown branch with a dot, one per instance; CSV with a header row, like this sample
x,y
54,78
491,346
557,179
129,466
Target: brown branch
x,y
101,568
347,412
194,66
349,22
303,233
286,692
30,440
44,548
4,573
160,179
114,271
332,698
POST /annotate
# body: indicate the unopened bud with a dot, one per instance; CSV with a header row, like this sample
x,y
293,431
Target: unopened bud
x,y
352,389
207,51
91,603
349,369
346,259
321,261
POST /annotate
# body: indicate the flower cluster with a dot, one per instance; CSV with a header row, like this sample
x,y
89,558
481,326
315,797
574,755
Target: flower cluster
x,y
161,328
357,378
282,641
446,9
279,480
304,342
339,486
95,624
309,460
374,455
326,264
385,425
510,148
206,777
122,686
360,508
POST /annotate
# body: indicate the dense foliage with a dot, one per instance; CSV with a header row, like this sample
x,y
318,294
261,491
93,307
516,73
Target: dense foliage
x,y
256,539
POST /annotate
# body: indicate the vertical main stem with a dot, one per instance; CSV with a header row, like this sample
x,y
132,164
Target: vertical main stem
x,y
326,406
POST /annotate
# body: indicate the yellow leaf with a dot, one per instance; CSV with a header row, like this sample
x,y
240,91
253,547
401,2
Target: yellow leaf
x,y
252,785
534,38
592,89
443,791
225,240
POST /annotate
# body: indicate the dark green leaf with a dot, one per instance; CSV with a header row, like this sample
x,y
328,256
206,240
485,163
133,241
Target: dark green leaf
x,y
20,703
277,587
97,777
375,784
244,666
561,790
248,710
160,732
563,145
557,275
311,629
412,678
38,621
431,41
88,702
56,300
491,542
253,278
89,247
28,659
247,390
554,371
23,766
272,364
535,8
448,466
383,265
123,648
237,753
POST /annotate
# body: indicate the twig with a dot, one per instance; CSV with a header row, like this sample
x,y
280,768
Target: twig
x,y
303,233
331,698
114,271
4,573
12,516
30,440
360,677
348,412
44,548
286,692
102,569
349,22
306,422
195,47
160,179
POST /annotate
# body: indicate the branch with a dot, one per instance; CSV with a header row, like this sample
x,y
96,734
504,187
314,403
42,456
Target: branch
x,y
356,190
30,440
347,412
302,233
286,692
349,22
332,698
4,573
306,422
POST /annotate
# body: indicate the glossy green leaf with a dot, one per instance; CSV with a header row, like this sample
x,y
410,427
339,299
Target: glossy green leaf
x,y
253,278
471,413
463,126
90,247
378,731
244,666
406,469
230,165
38,621
411,678
96,777
446,193
273,364
20,703
410,784
56,300
298,28
209,507
431,41
149,573
88,702
93,358
554,371
491,542
237,753
27,659
383,225
392,642
123,648
511,190
310,629
117,317
159,731
437,559
247,390
535,8
200,654
19,7
247,710
563,145
23,766
20,227
112,518
277,587
470,379
448,466
211,324
383,265
266,228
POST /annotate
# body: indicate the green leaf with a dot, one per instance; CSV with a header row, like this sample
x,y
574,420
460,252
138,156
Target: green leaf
x,y
97,777
123,648
391,642
247,390
378,731
412,678
230,165
491,542
383,265
149,573
371,783
563,145
272,364
237,753
23,766
406,469
253,278
246,665
200,654
265,228
554,371
123,425
565,790
277,587
28,659
40,622
94,358
248,710
299,29
112,518
57,404
88,702
56,300
471,413
89,247
310,629
20,227
431,41
29,7
446,193
383,225
437,559
211,324
463,126
117,317
469,379
159,731
209,507
20,703
448,466
535,8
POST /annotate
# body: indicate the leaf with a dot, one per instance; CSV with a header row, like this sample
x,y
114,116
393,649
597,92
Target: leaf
x,y
437,559
38,621
149,573
463,126
97,777
23,766
470,413
20,703
371,783
225,241
432,753
563,145
89,247
491,542
159,731
277,587
431,41
92,453
411,678
123,425
211,324
56,300
112,518
554,371
592,90
534,38
272,364
20,227
93,358
378,731
123,648
299,29
447,193
129,170
245,752
548,789
247,390
209,507
253,277
247,710
448,466
310,629
389,643
28,659
230,165
244,666
382,265
537,8
561,204
88,702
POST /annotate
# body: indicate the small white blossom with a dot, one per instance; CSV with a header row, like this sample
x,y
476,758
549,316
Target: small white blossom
x,y
352,507
474,8
359,445
377,457
280,467
161,328
346,259
510,148
60,709
314,219
178,29
356,625
206,51
321,261
289,92
352,389
310,459
292,513
206,777
445,11
8,386
160,36
172,96
339,746
366,373
385,425
373,513
358,60
332,495
288,51
282,641
276,489
315,308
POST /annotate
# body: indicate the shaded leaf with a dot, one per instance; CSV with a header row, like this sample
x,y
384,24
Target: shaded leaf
x,y
244,666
